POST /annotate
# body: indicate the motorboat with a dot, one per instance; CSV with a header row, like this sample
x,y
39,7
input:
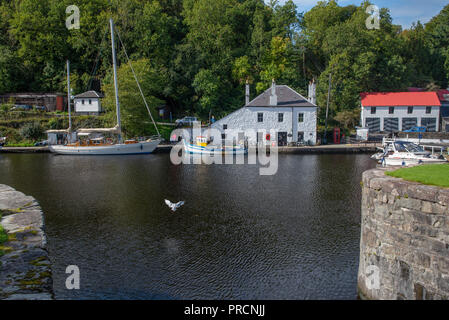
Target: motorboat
x,y
405,153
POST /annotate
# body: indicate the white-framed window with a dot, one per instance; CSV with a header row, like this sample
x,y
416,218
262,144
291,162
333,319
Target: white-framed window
x,y
300,117
260,117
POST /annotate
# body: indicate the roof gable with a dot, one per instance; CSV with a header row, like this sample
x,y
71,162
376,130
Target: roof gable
x,y
88,94
443,95
396,99
287,97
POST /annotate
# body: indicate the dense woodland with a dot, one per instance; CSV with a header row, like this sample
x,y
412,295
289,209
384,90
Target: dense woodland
x,y
195,55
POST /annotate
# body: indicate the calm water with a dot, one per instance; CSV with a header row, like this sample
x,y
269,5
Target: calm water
x,y
294,235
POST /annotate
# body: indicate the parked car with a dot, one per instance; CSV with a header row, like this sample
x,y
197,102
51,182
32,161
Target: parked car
x,y
40,108
416,129
186,121
41,144
21,108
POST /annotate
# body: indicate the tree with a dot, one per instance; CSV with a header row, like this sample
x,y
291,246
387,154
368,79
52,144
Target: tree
x,y
134,115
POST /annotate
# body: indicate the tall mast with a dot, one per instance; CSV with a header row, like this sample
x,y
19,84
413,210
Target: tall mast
x,y
114,63
68,96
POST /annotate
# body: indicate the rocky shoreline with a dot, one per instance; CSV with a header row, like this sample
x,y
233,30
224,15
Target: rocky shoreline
x,y
25,269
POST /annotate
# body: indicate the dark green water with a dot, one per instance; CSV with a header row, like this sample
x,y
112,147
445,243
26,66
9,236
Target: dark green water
x,y
240,235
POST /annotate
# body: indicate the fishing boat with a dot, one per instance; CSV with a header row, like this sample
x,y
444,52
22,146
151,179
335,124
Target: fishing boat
x,y
404,153
95,143
202,147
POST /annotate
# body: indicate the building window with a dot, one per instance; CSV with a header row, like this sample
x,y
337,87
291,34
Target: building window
x,y
90,101
410,110
373,110
260,117
300,117
225,127
428,110
391,110
430,124
82,101
280,117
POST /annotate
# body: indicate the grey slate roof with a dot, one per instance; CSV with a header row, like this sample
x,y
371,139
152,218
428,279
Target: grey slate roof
x,y
287,97
88,94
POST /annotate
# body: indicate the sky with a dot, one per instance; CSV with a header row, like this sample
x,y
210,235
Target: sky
x,y
403,12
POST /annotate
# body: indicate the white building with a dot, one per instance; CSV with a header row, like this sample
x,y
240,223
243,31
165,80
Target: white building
x,y
400,111
280,110
88,103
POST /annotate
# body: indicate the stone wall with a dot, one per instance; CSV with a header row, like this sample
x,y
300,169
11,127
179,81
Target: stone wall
x,y
404,241
25,271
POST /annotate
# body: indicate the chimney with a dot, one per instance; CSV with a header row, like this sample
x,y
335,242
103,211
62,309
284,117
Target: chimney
x,y
247,95
273,96
312,92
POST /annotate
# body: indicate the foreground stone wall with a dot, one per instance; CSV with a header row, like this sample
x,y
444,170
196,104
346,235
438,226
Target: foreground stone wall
x,y
25,271
405,239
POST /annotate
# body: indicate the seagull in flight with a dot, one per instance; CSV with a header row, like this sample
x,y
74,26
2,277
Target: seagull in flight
x,y
174,206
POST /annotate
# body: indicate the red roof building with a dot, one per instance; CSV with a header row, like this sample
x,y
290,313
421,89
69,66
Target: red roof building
x,y
400,111
391,99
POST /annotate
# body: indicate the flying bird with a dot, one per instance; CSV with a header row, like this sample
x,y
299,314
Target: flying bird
x,y
174,206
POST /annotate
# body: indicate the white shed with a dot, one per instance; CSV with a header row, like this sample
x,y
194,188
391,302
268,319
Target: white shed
x,y
88,103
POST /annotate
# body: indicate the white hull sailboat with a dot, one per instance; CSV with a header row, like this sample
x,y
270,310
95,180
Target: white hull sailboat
x,y
103,146
144,147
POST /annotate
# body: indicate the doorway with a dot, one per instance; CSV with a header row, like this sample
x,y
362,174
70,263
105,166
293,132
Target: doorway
x,y
282,139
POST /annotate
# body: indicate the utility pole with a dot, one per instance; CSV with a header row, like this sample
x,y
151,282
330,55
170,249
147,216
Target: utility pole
x,y
68,96
327,108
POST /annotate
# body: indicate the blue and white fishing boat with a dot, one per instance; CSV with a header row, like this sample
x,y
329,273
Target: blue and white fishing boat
x,y
201,147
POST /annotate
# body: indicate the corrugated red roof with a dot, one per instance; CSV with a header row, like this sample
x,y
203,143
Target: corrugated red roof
x,y
392,99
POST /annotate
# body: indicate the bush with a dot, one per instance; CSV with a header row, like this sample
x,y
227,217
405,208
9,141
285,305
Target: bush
x,y
32,131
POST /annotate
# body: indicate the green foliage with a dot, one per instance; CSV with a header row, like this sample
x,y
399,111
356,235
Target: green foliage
x,y
348,118
195,55
134,115
3,237
32,131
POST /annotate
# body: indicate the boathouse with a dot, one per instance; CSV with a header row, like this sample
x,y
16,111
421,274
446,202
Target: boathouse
x,y
279,109
88,103
400,111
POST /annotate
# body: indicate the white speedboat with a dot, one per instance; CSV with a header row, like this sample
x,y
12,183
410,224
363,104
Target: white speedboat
x,y
202,147
404,153
95,145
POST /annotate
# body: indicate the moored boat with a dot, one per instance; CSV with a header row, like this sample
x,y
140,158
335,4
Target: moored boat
x,y
202,147
404,153
98,145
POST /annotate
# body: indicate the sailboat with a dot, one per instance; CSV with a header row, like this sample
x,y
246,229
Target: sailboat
x,y
101,145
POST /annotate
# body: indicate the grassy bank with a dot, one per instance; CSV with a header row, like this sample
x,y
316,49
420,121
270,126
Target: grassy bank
x,y
435,175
